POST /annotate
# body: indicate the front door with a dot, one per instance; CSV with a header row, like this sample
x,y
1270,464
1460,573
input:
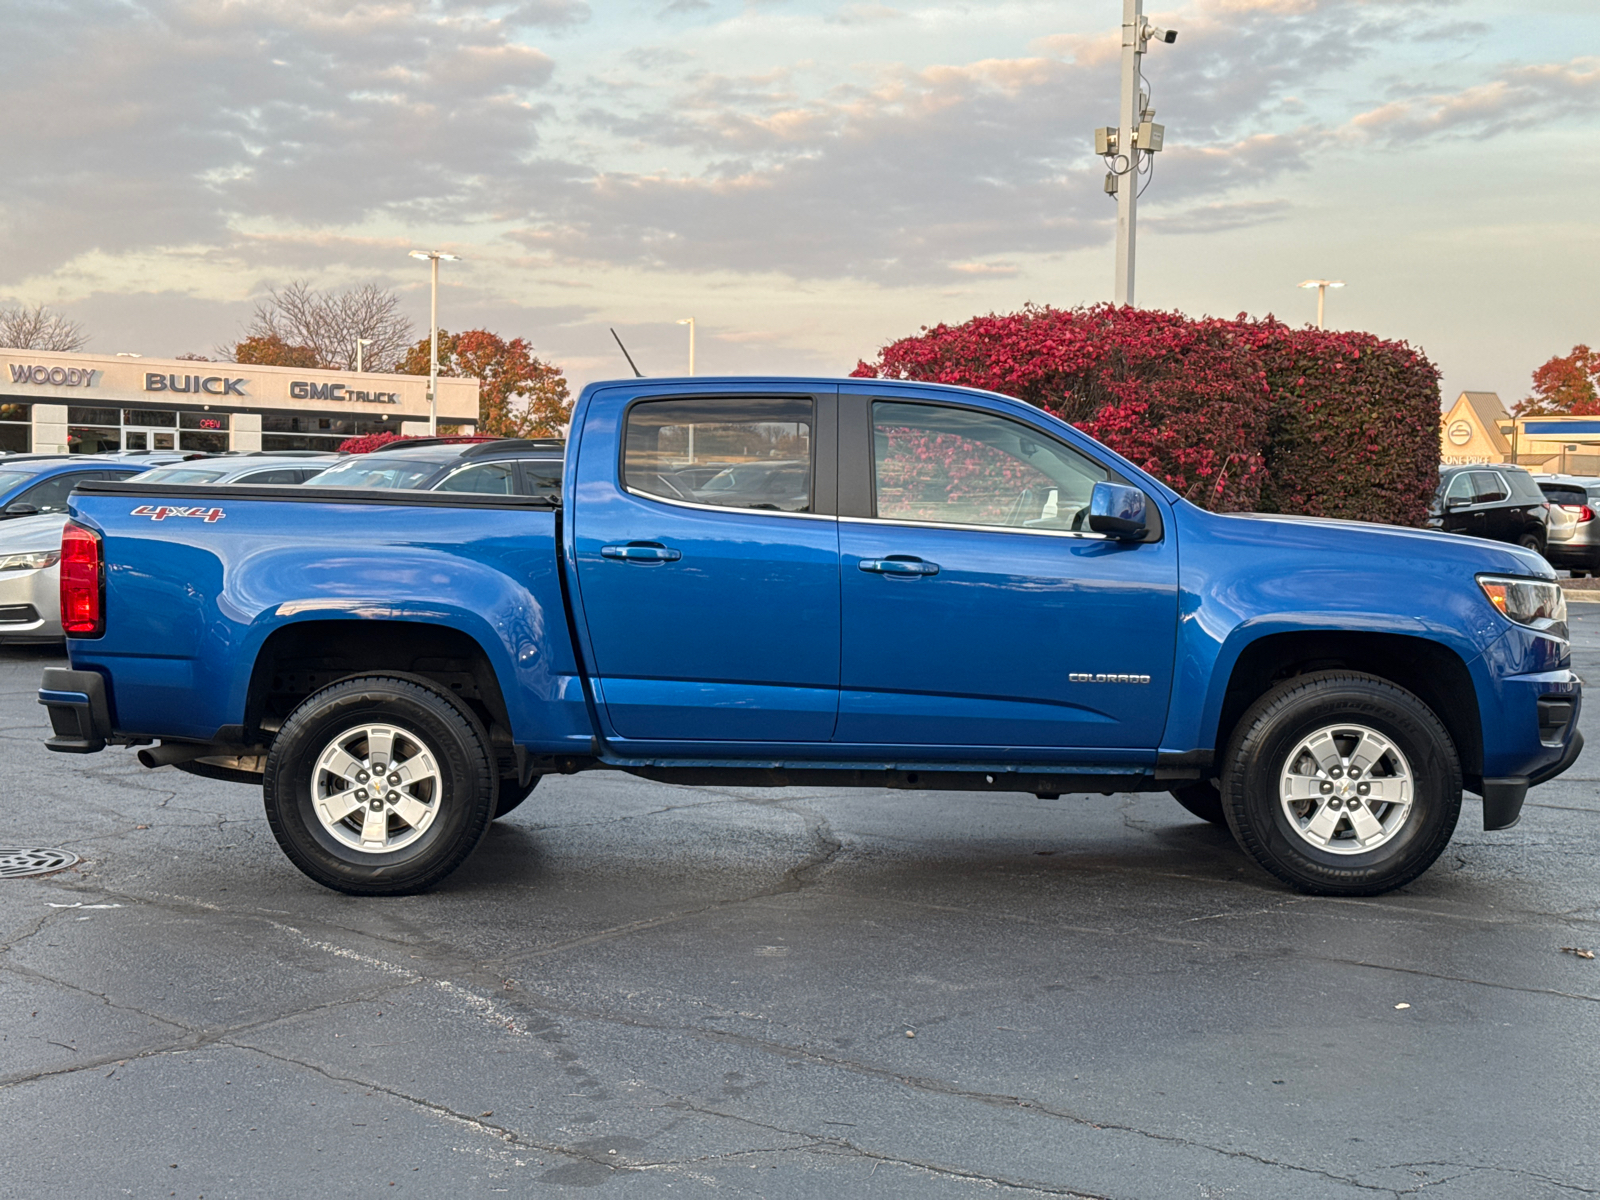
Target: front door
x,y
708,567
978,611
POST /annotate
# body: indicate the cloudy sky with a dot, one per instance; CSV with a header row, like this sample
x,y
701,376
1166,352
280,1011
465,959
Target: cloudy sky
x,y
807,179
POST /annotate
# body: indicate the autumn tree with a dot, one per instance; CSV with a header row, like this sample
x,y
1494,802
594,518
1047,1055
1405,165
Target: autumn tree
x,y
270,350
328,325
1567,385
38,328
520,395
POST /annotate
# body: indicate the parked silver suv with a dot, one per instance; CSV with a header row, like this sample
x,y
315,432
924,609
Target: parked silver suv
x,y
1579,496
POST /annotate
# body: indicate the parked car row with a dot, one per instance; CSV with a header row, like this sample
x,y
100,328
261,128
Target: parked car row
x,y
1551,514
34,491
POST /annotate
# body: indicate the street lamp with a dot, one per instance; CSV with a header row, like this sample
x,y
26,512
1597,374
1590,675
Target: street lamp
x,y
1322,286
689,321
360,343
434,256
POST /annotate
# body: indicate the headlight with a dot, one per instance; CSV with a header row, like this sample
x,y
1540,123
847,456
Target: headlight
x,y
34,560
1537,603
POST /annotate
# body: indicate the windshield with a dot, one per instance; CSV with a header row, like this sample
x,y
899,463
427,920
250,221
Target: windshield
x,y
375,471
180,475
11,479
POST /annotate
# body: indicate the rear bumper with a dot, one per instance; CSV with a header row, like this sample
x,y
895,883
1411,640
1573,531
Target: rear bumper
x,y
80,718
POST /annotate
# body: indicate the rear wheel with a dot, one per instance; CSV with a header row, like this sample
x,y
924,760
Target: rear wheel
x,y
379,786
1342,784
1530,541
1203,799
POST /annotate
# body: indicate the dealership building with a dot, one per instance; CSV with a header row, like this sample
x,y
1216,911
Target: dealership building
x,y
52,403
1478,429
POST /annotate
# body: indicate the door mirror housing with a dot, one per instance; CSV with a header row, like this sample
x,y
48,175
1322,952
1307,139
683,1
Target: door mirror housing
x,y
1457,501
20,509
1118,512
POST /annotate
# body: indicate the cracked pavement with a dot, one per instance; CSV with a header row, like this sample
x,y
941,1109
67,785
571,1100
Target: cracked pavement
x,y
674,991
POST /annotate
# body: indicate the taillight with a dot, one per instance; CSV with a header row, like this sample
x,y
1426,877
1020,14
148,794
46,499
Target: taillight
x,y
1582,511
83,584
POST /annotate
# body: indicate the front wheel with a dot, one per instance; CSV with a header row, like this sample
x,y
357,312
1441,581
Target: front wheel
x,y
1342,784
379,786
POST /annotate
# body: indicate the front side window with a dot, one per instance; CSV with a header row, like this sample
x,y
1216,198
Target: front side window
x,y
953,466
489,479
731,453
1460,488
51,495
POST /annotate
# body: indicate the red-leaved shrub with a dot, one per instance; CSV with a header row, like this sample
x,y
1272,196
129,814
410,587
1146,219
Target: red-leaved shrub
x,y
367,443
1235,415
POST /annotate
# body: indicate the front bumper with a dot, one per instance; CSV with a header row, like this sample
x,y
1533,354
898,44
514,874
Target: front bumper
x,y
30,605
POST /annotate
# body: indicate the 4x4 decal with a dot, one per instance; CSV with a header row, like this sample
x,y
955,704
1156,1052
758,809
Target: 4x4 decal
x,y
162,512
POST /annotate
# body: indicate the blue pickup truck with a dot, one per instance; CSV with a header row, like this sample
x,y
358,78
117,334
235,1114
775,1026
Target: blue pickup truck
x,y
811,582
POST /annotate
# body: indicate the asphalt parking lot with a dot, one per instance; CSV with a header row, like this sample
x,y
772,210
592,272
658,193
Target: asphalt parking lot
x,y
670,991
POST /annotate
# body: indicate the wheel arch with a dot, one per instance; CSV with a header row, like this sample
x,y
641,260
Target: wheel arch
x,y
1431,671
303,657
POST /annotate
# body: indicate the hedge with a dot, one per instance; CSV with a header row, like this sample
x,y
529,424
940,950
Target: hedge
x,y
1235,415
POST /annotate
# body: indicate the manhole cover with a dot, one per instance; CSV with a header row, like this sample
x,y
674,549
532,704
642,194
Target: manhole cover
x,y
16,863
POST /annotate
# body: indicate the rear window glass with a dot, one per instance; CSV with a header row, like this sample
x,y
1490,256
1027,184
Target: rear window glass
x,y
731,453
181,475
1564,493
376,471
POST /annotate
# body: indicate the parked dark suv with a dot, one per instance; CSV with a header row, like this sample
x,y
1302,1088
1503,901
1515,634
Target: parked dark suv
x,y
1491,500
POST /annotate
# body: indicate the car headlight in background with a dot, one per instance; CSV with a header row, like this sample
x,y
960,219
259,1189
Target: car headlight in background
x,y
33,560
1537,603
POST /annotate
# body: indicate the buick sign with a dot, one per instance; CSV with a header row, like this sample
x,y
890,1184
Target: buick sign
x,y
211,385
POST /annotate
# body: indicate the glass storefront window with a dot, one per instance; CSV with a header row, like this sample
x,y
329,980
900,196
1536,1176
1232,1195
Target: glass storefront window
x,y
94,416
203,420
209,443
16,428
87,439
149,416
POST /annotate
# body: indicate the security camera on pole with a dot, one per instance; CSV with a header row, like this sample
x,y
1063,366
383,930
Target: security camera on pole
x,y
1127,147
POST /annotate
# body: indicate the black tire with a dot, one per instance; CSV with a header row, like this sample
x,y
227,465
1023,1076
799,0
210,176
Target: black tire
x,y
1204,800
459,790
1531,541
512,793
1274,729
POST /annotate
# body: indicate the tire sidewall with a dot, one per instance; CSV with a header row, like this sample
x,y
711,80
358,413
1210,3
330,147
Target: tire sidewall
x,y
450,735
1277,727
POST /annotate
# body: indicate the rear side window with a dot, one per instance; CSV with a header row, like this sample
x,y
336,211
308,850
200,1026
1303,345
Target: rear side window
x,y
541,477
953,466
1488,487
277,475
731,453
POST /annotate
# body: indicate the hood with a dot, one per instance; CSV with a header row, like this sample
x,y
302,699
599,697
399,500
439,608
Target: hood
x,y
1325,534
40,532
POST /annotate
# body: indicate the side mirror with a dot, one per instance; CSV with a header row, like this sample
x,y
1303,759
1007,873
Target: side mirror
x,y
1118,512
1458,502
20,510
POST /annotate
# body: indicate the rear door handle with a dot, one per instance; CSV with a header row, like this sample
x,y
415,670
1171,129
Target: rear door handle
x,y
898,566
641,552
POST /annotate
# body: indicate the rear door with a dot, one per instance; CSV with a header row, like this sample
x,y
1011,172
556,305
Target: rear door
x,y
708,565
1498,516
978,611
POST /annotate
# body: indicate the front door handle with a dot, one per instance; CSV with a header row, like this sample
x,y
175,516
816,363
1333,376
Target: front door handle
x,y
898,566
641,552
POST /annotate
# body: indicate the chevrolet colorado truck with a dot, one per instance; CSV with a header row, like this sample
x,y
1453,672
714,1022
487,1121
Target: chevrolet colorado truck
x,y
811,582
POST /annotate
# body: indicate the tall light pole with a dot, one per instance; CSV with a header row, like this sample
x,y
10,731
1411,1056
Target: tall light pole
x,y
1322,286
689,321
360,343
1134,139
433,336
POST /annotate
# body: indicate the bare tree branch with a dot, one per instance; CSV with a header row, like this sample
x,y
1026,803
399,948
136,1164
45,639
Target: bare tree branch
x,y
329,324
38,328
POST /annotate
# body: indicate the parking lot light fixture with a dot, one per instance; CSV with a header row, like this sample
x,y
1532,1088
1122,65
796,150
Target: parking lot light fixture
x,y
689,321
1322,286
434,256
